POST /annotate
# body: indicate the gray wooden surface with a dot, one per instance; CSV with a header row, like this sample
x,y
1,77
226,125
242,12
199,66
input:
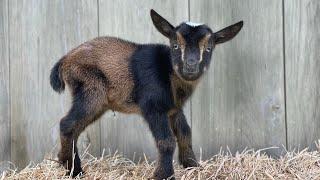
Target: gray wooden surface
x,y
129,134
40,33
240,102
302,45
262,88
5,140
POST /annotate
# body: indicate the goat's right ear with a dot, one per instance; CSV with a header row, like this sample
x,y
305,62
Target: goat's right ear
x,y
162,25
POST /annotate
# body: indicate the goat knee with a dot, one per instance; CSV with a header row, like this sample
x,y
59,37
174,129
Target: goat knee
x,y
67,126
166,146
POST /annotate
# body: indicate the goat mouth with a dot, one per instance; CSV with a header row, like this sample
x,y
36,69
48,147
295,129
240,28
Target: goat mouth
x,y
190,70
189,78
190,75
187,74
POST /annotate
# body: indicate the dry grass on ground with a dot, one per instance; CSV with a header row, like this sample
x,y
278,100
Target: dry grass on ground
x,y
246,165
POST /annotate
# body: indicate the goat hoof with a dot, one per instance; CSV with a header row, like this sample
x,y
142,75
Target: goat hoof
x,y
190,163
187,159
161,173
76,172
157,178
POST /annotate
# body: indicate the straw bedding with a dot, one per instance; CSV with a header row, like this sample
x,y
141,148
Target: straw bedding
x,y
248,164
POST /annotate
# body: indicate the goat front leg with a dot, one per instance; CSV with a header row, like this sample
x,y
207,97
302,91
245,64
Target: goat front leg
x,y
159,125
182,132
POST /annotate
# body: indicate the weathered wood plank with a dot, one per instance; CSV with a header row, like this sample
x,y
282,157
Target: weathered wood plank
x,y
302,42
240,102
4,87
41,31
131,20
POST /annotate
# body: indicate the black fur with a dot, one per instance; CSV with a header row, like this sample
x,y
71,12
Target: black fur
x,y
56,80
77,112
68,124
181,124
182,94
151,68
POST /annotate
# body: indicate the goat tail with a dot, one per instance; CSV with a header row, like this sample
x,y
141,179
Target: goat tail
x,y
56,80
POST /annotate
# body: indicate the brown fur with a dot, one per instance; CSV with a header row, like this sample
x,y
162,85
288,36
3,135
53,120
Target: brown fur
x,y
181,90
111,56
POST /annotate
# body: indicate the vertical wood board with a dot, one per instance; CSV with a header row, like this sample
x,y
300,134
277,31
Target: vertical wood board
x,y
302,47
5,139
240,102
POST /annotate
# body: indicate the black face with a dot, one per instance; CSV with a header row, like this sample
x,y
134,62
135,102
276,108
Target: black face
x,y
192,45
191,50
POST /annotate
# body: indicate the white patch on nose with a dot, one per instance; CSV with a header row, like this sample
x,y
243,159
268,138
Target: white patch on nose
x,y
193,24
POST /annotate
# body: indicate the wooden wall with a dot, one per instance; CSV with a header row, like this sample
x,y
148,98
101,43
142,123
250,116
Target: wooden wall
x,y
302,57
262,90
241,101
40,33
5,139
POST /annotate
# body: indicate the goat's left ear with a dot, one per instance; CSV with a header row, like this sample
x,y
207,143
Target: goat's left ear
x,y
228,33
162,25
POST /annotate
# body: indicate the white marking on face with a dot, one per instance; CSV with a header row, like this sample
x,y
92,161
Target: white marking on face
x,y
182,53
201,54
203,44
193,24
182,44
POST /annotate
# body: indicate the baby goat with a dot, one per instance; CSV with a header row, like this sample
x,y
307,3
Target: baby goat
x,y
152,80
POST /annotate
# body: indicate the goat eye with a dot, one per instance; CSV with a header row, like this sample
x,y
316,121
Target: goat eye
x,y
175,46
208,49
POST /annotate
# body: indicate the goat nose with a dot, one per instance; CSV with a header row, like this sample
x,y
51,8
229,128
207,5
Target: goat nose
x,y
191,62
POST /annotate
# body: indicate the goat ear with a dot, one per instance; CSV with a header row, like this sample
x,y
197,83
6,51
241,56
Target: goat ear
x,y
162,25
228,33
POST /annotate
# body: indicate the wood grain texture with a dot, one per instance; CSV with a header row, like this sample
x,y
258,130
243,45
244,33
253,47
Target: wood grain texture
x,y
240,102
130,20
302,42
41,32
5,139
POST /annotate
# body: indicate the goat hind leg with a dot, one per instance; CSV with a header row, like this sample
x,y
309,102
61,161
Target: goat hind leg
x,y
86,108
